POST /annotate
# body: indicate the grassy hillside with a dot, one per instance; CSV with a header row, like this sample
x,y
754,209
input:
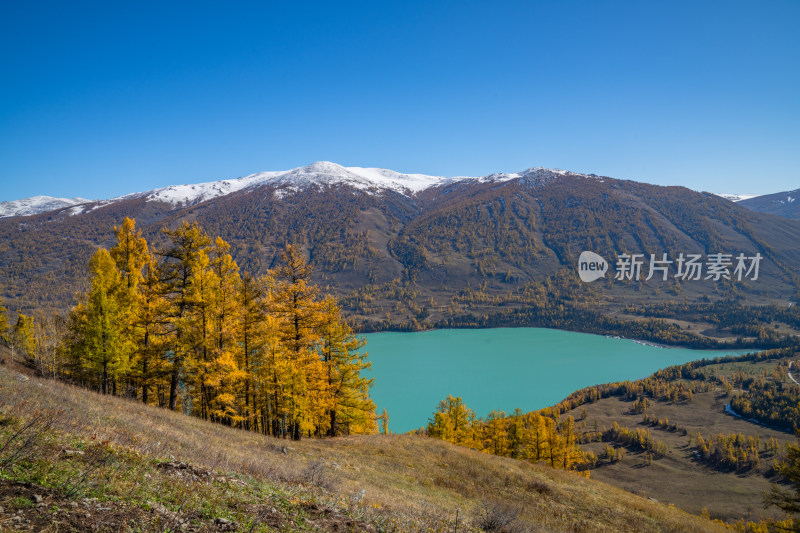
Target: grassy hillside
x,y
92,462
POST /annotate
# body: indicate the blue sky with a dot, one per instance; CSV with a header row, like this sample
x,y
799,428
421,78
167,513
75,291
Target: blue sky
x,y
101,99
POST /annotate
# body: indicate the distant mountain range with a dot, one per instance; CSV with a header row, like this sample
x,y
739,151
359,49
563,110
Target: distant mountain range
x,y
398,246
324,172
736,197
785,204
36,205
370,180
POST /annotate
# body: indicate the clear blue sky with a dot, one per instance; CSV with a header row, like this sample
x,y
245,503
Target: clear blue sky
x,y
100,99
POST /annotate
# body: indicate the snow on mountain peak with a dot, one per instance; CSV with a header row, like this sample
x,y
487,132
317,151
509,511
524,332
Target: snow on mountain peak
x,y
370,180
736,197
194,193
37,204
319,173
541,175
327,173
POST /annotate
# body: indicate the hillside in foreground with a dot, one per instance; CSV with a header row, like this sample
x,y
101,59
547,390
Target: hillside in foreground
x,y
102,463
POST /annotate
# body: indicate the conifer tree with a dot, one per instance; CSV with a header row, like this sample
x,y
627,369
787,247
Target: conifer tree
x,y
453,422
224,309
268,355
495,439
22,338
516,431
150,321
786,500
198,338
350,410
180,266
272,373
570,452
384,422
131,255
4,326
250,339
296,301
102,346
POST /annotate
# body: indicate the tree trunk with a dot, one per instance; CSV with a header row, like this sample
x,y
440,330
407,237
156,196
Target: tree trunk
x,y
332,430
173,388
144,381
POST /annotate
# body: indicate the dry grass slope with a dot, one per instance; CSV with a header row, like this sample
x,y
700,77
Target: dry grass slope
x,y
389,483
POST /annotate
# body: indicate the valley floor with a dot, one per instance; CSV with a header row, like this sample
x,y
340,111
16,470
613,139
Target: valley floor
x,y
681,477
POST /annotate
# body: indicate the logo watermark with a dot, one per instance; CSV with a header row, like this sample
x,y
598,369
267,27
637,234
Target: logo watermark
x,y
591,266
685,267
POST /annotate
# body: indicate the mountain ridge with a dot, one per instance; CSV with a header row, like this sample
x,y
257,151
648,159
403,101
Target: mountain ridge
x,y
462,247
369,179
736,197
319,173
785,204
37,204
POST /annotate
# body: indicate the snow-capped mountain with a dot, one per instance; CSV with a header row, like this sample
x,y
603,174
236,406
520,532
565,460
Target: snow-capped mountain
x,y
37,204
319,173
324,173
736,197
376,226
370,180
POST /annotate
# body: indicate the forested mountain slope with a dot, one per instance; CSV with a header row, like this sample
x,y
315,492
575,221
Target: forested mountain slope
x,y
785,204
448,246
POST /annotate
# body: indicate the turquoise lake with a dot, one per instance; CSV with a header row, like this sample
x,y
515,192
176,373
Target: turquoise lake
x,y
502,368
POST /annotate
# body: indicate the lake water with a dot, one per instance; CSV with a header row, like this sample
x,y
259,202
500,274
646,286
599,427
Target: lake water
x,y
502,368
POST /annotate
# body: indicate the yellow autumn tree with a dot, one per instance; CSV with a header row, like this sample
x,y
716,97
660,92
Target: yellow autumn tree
x,y
533,436
102,346
495,434
251,342
149,369
198,338
181,265
3,321
454,422
350,409
138,302
297,302
130,254
21,337
183,327
225,369
271,376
